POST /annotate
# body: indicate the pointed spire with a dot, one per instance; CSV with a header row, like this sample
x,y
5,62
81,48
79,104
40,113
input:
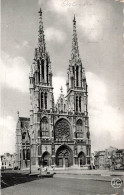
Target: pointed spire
x,y
75,50
41,39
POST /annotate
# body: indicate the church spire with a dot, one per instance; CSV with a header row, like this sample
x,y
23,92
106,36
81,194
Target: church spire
x,y
41,39
75,50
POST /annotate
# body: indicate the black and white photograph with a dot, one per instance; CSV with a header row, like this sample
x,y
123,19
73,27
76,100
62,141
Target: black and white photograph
x,y
62,97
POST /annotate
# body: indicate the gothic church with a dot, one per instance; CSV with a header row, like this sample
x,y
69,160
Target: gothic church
x,y
55,134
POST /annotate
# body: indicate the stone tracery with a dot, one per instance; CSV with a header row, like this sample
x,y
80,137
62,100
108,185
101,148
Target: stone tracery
x,y
62,129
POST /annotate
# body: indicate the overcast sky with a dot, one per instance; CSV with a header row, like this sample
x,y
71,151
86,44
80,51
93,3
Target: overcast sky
x,y
100,37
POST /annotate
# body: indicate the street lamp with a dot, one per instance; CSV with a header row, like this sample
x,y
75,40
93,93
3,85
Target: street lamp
x,y
30,153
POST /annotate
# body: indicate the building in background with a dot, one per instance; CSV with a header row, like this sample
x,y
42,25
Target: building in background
x,y
99,160
8,161
58,133
111,158
108,156
118,159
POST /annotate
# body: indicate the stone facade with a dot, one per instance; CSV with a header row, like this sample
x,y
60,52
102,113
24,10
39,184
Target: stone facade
x,y
106,159
99,160
59,133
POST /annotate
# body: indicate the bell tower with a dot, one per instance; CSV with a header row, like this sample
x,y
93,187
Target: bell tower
x,y
77,101
41,73
41,97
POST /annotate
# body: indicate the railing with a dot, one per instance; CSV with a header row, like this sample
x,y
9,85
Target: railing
x,y
44,141
63,141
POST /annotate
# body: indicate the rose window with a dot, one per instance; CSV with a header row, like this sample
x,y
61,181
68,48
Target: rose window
x,y
62,129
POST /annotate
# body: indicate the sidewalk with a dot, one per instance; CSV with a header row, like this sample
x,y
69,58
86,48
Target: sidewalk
x,y
86,177
90,172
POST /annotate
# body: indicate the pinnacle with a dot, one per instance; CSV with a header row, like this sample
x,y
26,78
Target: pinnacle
x,y
40,12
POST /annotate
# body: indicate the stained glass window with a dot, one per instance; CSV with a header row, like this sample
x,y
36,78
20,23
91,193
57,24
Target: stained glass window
x,y
44,127
62,129
76,103
79,129
80,103
45,100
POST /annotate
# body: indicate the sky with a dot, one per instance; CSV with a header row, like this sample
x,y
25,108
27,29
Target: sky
x,y
100,39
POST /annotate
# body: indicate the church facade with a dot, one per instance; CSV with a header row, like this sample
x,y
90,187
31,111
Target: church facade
x,y
55,134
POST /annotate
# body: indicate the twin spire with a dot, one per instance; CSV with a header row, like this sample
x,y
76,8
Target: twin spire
x,y
41,37
75,50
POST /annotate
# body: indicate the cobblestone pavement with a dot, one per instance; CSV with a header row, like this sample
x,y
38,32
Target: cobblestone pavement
x,y
63,186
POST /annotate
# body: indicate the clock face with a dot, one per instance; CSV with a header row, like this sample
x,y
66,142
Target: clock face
x,y
62,129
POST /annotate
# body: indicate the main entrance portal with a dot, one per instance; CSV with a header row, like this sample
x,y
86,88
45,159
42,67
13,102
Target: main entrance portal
x,y
64,156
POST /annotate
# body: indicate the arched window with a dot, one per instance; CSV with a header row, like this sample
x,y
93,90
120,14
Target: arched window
x,y
41,100
77,75
79,129
42,65
28,154
80,103
23,135
45,100
44,127
76,103
23,154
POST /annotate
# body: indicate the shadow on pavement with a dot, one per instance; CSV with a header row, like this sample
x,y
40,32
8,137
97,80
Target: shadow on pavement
x,y
13,178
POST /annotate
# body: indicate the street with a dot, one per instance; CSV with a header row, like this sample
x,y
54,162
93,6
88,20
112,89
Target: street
x,y
63,186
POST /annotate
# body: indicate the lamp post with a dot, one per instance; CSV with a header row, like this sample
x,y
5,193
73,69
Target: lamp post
x,y
41,160
30,154
40,164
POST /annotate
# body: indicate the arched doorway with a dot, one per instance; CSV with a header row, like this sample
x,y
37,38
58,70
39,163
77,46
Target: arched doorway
x,y
81,158
46,159
64,156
